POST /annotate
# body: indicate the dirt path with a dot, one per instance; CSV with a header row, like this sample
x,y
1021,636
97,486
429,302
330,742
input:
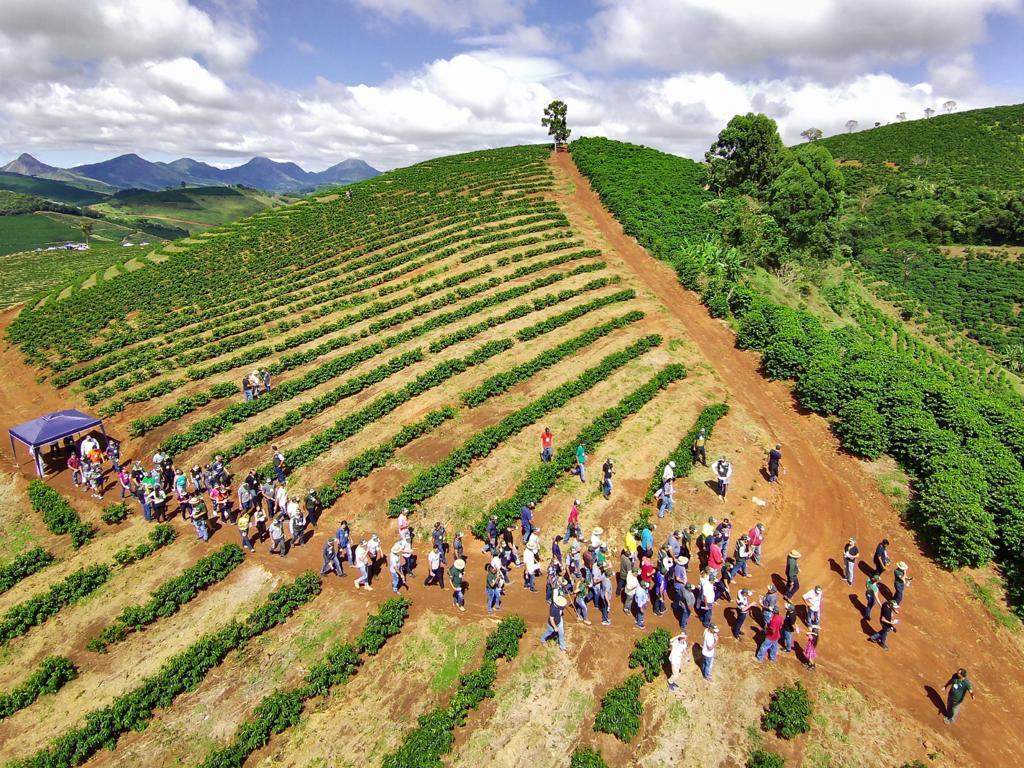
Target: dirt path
x,y
827,492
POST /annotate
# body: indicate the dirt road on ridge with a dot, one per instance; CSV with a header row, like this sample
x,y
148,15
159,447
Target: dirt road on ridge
x,y
827,497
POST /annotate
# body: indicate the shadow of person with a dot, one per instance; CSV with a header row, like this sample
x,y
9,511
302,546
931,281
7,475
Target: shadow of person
x,y
857,603
835,566
866,568
936,698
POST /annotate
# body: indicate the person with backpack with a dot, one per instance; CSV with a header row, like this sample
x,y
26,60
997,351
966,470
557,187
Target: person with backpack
x,y
698,449
723,473
850,554
279,464
314,507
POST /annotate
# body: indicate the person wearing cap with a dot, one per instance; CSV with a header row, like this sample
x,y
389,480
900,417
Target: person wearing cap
x,y
455,576
602,592
362,564
674,544
279,464
314,507
706,598
707,533
607,470
665,496
547,445
493,532
660,582
723,532
881,558
792,573
769,605
332,563
723,473
277,537
555,625
813,598
699,449
526,520
742,611
438,537
889,621
715,559
296,523
677,648
493,583
707,648
458,547
435,569
344,539
959,686
870,595
395,568
198,516
581,592
682,595
850,554
530,567
900,581
756,536
774,460
630,543
769,647
741,555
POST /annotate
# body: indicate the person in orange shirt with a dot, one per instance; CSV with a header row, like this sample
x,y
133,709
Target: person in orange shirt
x,y
547,441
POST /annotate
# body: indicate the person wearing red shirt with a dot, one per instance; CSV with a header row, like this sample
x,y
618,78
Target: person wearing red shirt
x,y
647,570
715,559
547,442
756,536
772,635
572,528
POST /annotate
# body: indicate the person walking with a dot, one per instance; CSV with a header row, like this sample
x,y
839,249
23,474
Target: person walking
x,y
870,596
607,470
889,621
641,599
774,461
277,537
435,569
531,568
790,627
243,521
677,648
455,577
707,648
742,611
850,554
332,562
698,448
900,581
959,686
792,573
881,557
769,605
740,557
813,598
547,445
555,625
723,473
665,496
296,524
580,595
769,647
572,525
362,564
581,463
493,584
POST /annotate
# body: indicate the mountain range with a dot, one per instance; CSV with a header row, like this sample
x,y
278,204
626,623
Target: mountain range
x,y
133,172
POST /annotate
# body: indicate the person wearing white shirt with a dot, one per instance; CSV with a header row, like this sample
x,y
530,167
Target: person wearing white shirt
x,y
281,498
707,650
362,565
676,653
530,568
436,575
669,473
813,599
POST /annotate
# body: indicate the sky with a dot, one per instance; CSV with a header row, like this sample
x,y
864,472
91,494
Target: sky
x,y
395,82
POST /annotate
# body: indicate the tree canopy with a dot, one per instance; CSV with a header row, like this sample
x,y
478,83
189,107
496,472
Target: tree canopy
x,y
554,121
745,155
806,198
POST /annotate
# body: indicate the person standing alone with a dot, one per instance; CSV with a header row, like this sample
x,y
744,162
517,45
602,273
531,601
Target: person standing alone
x,y
774,460
850,553
547,444
959,686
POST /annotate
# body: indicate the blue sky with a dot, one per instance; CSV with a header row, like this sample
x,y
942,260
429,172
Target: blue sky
x,y
398,81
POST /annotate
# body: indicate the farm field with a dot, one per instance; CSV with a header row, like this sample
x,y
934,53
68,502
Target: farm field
x,y
192,208
419,335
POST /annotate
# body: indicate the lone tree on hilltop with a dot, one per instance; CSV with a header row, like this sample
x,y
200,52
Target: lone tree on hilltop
x,y
811,134
928,112
901,116
554,121
850,125
949,106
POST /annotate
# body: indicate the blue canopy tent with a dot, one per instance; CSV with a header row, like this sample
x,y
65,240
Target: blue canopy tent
x,y
50,428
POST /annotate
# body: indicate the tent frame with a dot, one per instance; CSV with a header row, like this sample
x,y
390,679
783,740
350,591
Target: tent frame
x,y
33,448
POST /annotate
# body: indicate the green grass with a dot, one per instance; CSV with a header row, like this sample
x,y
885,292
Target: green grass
x,y
32,230
49,189
193,208
989,597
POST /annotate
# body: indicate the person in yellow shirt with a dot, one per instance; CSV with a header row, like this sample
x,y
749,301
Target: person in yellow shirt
x,y
630,543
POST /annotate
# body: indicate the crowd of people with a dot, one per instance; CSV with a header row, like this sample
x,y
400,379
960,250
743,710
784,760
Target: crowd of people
x,y
693,571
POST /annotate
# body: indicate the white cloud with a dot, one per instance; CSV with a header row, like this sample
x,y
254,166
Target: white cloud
x,y
826,38
454,15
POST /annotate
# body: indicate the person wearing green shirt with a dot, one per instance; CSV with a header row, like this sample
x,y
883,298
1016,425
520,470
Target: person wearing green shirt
x,y
959,686
581,463
455,574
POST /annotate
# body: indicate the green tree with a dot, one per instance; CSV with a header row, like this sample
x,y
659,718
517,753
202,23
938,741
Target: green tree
x,y
86,227
806,199
746,155
554,121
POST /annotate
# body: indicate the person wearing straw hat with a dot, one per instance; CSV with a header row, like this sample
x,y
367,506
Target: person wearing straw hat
x,y
595,538
850,553
707,648
555,626
792,573
455,576
530,567
900,581
676,653
395,568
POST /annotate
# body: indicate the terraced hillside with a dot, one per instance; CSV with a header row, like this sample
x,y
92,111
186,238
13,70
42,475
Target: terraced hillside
x,y
420,333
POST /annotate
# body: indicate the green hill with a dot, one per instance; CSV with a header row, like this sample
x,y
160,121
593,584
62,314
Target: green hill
x,y
49,189
189,208
980,147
